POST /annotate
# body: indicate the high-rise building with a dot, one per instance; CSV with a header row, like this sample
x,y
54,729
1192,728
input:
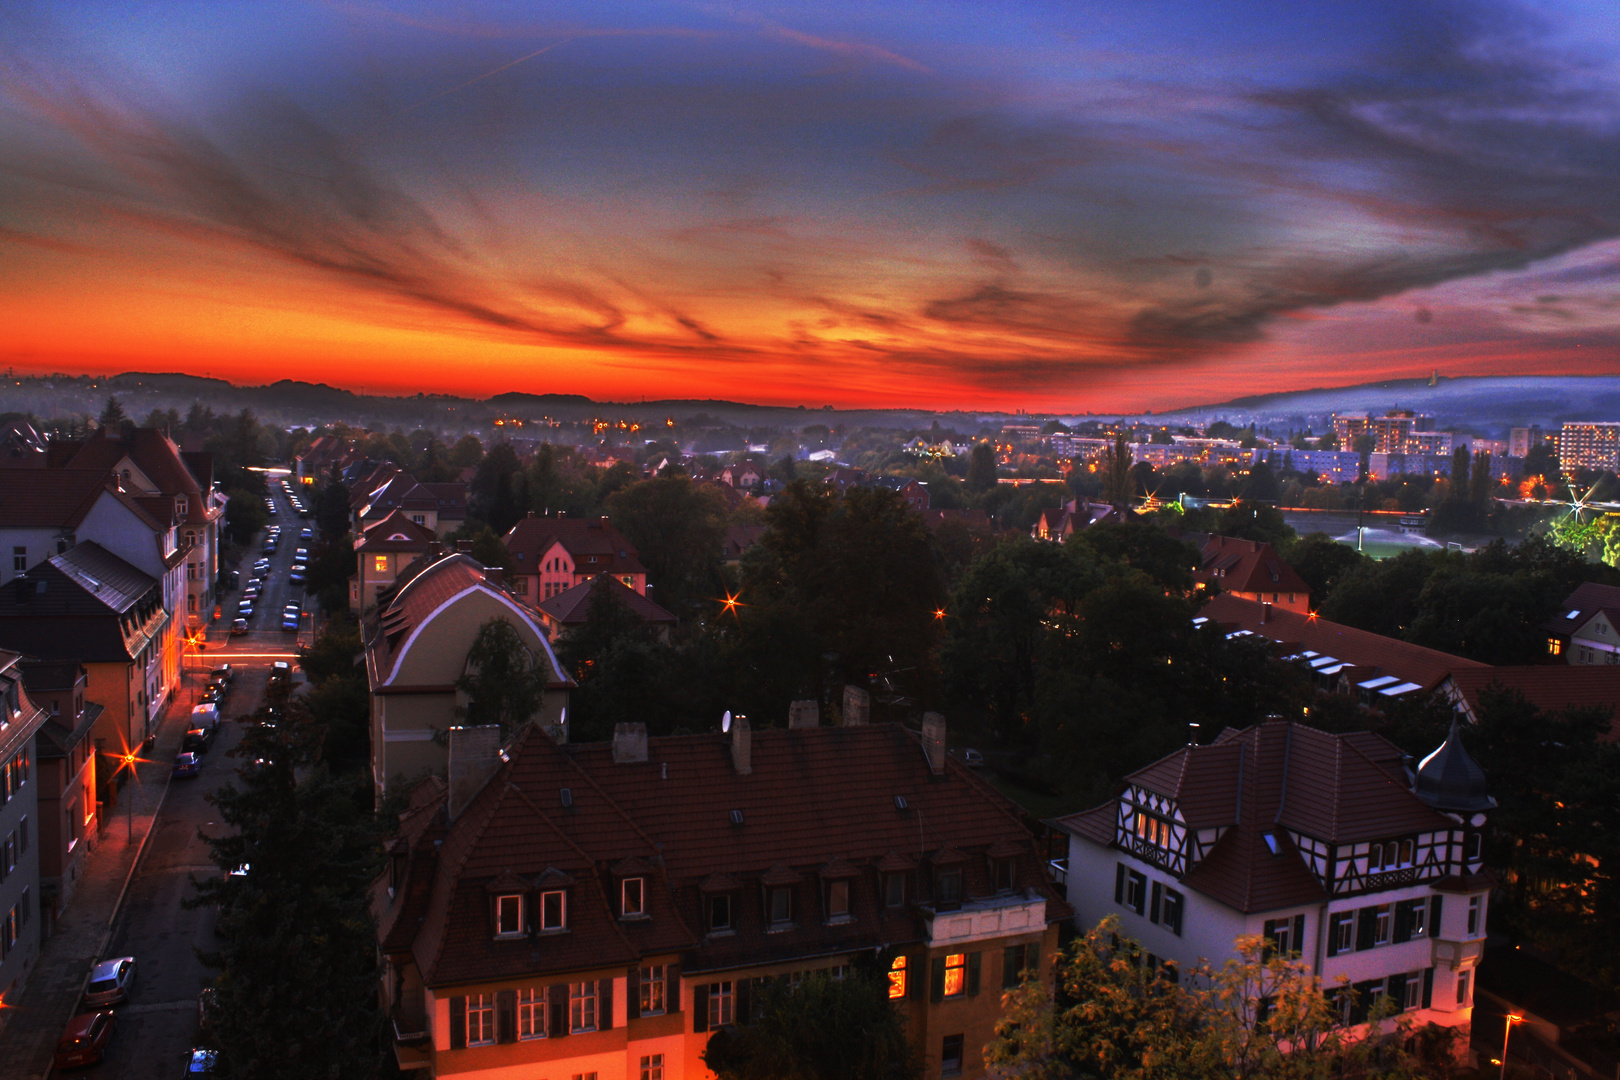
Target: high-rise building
x,y
1589,446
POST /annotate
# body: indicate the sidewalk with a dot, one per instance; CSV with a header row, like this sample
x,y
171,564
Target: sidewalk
x,y
30,1025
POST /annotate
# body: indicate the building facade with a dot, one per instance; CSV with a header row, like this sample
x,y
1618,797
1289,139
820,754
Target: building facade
x,y
1323,844
1589,446
1586,627
20,721
551,555
66,769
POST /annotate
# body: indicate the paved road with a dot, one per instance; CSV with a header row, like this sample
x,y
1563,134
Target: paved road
x,y
158,1026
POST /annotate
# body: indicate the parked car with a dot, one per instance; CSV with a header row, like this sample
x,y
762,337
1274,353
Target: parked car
x,y
207,1007
222,673
213,694
186,764
280,671
110,982
244,610
307,534
84,1040
289,622
201,1063
239,626
197,741
297,575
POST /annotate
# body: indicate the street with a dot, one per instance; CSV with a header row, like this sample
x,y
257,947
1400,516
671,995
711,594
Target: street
x,y
157,1027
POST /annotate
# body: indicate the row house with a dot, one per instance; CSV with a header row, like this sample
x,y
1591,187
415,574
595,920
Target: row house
x,y
416,646
1073,516
88,606
387,489
320,457
382,552
600,910
68,818
1586,627
551,555
1323,844
1341,659
1250,569
20,721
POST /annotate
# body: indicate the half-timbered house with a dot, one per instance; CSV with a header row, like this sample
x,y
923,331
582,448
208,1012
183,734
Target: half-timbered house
x,y
1326,845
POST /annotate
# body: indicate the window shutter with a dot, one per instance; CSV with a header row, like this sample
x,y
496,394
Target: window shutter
x,y
1012,963
1158,895
1032,959
1139,882
1119,883
914,976
458,1023
1434,914
1333,933
632,993
1403,921
1181,911
743,1001
973,960
1397,991
672,990
604,1004
1299,935
700,1007
1368,928
558,1000
506,1016
936,982
1428,984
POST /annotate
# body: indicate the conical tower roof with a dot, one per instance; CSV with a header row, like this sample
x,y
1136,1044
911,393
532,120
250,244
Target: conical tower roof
x,y
1448,779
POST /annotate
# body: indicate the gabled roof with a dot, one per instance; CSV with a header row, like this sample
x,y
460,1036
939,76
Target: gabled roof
x,y
1548,687
593,543
151,451
1247,566
1388,656
91,608
49,498
1273,777
111,580
1586,601
572,606
396,532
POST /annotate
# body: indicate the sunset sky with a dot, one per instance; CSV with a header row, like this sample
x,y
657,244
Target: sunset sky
x,y
1060,205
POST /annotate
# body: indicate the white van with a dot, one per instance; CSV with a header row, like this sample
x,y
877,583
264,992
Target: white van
x,y
205,717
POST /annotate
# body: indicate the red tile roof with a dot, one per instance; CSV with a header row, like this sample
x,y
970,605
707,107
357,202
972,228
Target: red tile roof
x,y
1548,687
1247,566
1388,656
50,498
593,543
572,607
1587,600
396,532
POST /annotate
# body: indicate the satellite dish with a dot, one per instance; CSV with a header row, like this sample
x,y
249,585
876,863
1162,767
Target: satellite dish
x,y
725,721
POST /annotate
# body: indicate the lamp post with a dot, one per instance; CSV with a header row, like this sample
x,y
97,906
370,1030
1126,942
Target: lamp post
x,y
1507,1032
129,801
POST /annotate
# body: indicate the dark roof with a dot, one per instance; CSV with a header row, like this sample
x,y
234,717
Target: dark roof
x,y
572,607
1587,600
105,576
396,532
153,452
1448,779
1247,566
1336,788
49,498
593,543
56,612
1547,687
672,814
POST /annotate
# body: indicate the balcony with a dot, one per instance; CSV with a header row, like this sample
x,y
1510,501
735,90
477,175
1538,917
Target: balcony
x,y
413,1043
985,918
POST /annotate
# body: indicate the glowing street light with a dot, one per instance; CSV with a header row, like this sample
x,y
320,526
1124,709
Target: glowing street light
x,y
1507,1032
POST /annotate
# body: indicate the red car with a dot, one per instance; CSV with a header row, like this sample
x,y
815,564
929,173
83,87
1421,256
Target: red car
x,y
85,1040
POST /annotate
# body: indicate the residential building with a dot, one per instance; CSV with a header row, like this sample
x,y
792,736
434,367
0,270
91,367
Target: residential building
x,y
1328,466
382,552
1546,687
1252,570
386,489
1398,431
1060,524
321,457
603,909
568,610
738,539
90,607
1341,659
416,646
20,721
1521,440
1586,629
1589,446
1323,844
67,778
553,554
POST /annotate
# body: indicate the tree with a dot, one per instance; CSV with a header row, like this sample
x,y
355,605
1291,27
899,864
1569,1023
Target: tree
x,y
1257,1016
677,527
491,498
820,1029
298,955
332,506
245,515
489,550
1461,471
981,475
1115,467
112,414
1481,481
332,563
505,684
1322,561
467,452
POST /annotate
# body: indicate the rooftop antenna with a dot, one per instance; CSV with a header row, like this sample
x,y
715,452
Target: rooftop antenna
x,y
725,722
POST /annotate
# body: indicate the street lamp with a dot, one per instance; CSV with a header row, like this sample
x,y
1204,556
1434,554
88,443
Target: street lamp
x,y
1507,1032
129,801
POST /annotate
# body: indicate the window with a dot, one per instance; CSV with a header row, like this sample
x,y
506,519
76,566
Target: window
x,y
1476,926
1414,991
1015,961
956,974
419,518
1154,830
1005,873
1344,932
19,559
379,563
719,913
1170,914
1280,936
781,905
897,979
654,982
520,585
652,1067
585,1076
894,890
720,1005
1135,894
950,1056
1383,922
950,886
1417,918
8,861
1473,847
632,898
1555,647
582,1006
508,916
554,910
531,1013
1462,987
837,901
480,1019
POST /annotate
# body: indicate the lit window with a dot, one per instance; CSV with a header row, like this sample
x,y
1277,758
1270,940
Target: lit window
x,y
553,910
781,905
379,563
955,974
652,1067
653,985
582,1006
837,900
632,899
897,979
509,916
720,1005
480,1019
531,1014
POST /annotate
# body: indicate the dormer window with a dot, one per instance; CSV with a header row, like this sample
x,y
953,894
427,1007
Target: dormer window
x,y
781,905
1005,873
633,898
950,887
894,890
720,912
509,915
553,911
837,901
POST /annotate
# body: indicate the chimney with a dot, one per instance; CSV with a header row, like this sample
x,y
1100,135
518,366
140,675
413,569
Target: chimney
x,y
475,754
531,513
1256,545
857,707
629,743
435,550
933,733
492,576
804,714
464,547
1265,611
742,746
